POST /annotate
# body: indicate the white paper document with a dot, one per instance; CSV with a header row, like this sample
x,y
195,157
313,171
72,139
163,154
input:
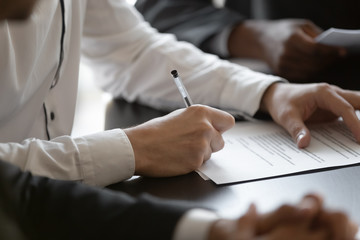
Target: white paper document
x,y
256,150
349,39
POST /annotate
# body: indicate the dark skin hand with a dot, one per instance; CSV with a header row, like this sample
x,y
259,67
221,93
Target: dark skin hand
x,y
288,46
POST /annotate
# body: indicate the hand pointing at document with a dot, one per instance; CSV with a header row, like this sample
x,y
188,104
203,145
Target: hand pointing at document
x,y
293,105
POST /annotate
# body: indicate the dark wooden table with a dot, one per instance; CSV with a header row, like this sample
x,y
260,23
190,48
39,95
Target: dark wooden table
x,y
340,187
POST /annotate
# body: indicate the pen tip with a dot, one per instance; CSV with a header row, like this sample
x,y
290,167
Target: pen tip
x,y
174,73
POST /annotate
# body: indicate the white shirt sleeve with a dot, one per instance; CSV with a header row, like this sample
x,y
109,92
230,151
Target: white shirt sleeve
x,y
132,60
99,159
195,224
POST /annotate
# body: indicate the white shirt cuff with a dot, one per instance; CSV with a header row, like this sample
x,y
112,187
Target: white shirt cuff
x,y
107,156
195,224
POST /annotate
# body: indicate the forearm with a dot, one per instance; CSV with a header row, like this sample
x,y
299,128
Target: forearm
x,y
238,88
184,18
99,159
51,209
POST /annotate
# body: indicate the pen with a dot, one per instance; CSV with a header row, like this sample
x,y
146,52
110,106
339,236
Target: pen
x,y
188,102
182,89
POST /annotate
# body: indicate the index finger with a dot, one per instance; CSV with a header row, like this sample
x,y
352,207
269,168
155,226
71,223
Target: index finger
x,y
344,103
341,104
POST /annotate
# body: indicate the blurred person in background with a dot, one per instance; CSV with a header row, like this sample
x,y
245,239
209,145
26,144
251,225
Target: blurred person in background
x,y
280,33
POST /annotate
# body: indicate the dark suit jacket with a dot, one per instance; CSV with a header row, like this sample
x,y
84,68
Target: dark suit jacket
x,y
197,20
49,209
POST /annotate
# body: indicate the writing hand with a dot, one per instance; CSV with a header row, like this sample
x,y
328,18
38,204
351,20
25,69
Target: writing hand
x,y
179,142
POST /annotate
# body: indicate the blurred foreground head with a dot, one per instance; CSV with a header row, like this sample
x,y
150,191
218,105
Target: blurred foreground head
x,y
16,9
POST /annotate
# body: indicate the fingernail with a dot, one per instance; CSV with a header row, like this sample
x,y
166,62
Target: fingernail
x,y
300,136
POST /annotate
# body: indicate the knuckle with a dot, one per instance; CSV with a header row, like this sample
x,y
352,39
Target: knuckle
x,y
204,130
325,87
221,144
217,144
207,156
199,109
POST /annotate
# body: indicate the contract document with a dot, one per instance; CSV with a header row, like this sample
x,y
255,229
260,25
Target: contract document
x,y
349,39
257,150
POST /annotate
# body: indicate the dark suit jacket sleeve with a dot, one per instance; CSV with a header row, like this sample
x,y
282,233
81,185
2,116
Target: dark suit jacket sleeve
x,y
194,21
51,209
